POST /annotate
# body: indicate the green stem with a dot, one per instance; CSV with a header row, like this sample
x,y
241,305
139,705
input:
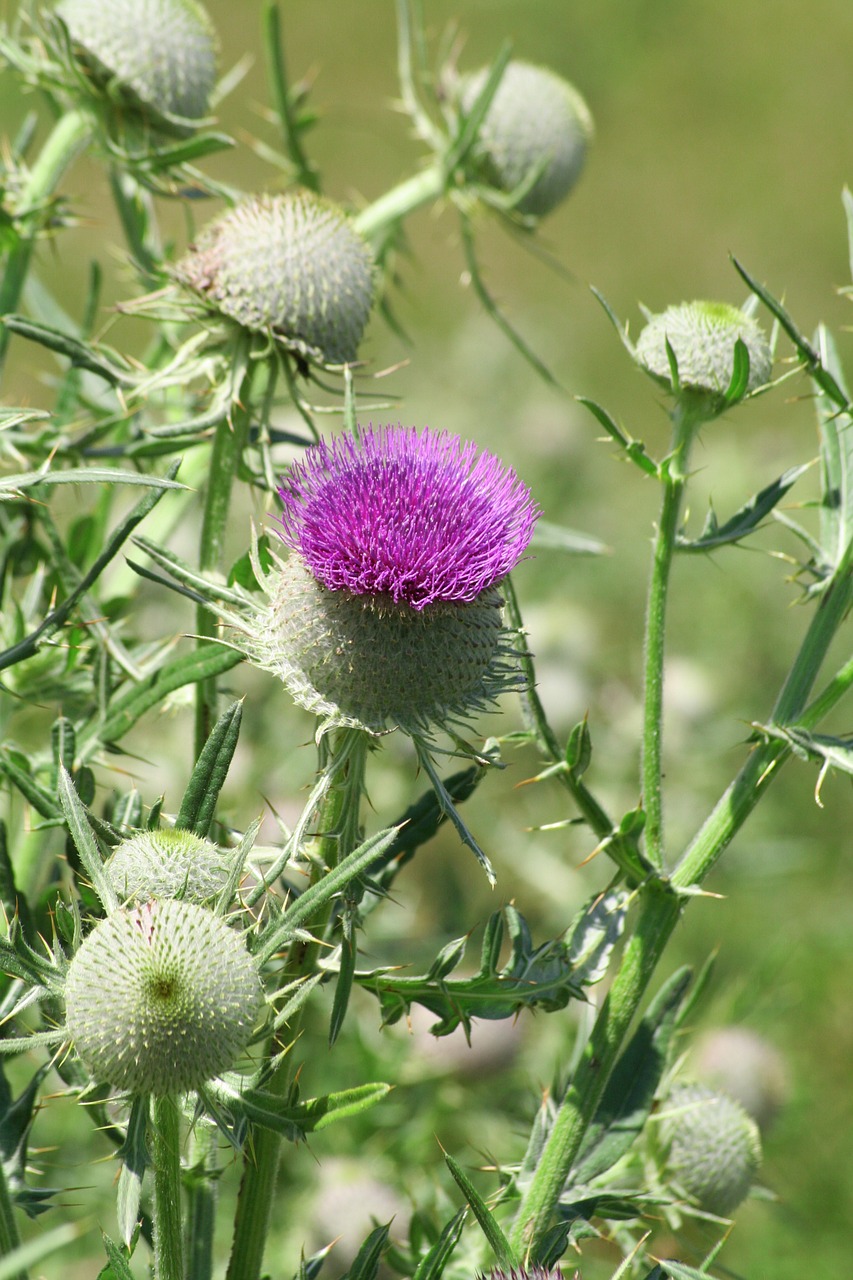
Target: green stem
x,y
228,445
660,908
674,476
659,913
9,1238
201,1203
166,1152
411,194
69,136
337,834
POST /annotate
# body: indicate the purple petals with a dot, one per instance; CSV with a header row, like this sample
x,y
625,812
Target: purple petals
x,y
417,516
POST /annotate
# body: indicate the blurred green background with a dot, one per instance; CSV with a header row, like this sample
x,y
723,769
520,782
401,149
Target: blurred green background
x,y
722,129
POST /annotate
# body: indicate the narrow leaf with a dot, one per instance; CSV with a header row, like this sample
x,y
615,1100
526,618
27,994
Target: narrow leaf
x,y
491,1230
836,460
634,450
81,833
747,519
432,1266
208,776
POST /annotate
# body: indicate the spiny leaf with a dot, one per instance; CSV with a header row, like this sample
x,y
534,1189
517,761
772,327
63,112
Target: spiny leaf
x,y
208,776
747,519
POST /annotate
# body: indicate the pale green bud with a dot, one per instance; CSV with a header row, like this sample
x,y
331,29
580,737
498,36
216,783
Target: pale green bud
x,y
711,1147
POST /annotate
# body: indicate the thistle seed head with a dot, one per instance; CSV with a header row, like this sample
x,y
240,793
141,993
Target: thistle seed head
x,y
159,54
167,864
702,336
161,997
536,124
712,1147
292,266
387,613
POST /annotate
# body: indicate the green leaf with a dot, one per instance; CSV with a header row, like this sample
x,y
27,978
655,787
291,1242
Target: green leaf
x,y
747,519
739,380
498,1242
630,1091
365,1265
31,1254
554,537
285,927
546,976
208,776
12,486
118,1268
836,461
29,645
133,1154
82,355
81,833
127,708
431,1267
634,450
295,1120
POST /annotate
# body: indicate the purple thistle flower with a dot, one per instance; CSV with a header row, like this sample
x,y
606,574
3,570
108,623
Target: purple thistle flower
x,y
416,516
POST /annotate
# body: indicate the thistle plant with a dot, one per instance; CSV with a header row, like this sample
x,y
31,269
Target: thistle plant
x,y
268,669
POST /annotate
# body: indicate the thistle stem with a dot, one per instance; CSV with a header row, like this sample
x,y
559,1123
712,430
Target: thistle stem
x,y
69,136
337,834
391,208
674,477
661,908
201,1215
228,445
9,1237
166,1150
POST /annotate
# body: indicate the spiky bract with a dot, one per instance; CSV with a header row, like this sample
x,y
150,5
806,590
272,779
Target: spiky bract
x,y
712,1148
702,337
537,129
292,266
157,55
388,613
161,997
169,863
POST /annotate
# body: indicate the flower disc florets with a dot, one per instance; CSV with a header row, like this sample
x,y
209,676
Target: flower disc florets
x,y
387,613
167,864
416,516
712,1148
158,55
537,128
702,336
161,997
292,266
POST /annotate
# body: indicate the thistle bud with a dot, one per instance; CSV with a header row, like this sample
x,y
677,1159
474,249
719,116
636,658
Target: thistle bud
x,y
537,128
702,336
167,864
712,1148
387,612
159,55
161,997
292,266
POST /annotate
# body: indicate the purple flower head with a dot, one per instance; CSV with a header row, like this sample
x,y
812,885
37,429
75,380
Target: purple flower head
x,y
417,516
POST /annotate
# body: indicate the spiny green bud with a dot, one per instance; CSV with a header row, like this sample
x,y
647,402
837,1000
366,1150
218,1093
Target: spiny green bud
x,y
537,127
292,266
712,1147
167,864
371,661
160,55
161,997
703,336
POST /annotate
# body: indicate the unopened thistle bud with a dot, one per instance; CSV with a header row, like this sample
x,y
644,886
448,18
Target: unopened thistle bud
x,y
537,129
387,612
711,1147
161,997
167,864
702,337
292,266
157,56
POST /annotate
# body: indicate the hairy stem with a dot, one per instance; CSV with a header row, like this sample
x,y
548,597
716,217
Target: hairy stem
x,y
337,834
674,477
70,135
166,1151
422,188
